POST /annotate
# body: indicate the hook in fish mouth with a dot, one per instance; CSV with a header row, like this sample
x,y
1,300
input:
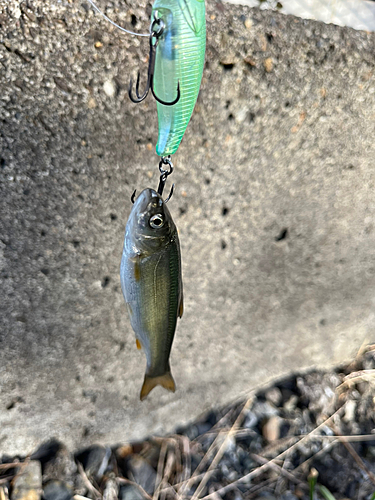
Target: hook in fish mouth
x,y
165,160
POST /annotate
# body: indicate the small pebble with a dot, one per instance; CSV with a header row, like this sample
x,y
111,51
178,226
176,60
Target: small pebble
x,y
250,421
91,104
28,484
274,396
232,476
291,404
350,409
124,450
143,473
288,496
271,429
248,24
60,466
268,65
57,490
264,409
94,460
130,492
109,88
111,489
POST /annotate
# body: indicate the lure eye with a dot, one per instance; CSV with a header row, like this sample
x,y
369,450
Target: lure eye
x,y
157,221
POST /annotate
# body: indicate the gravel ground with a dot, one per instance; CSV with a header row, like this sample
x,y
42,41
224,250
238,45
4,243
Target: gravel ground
x,y
317,426
274,195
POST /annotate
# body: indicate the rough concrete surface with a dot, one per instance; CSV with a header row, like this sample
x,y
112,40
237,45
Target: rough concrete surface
x,y
274,203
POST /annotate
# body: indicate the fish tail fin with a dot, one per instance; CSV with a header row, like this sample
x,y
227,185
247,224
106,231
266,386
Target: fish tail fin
x,y
165,380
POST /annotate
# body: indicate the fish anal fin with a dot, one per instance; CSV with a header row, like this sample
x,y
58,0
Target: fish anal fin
x,y
165,380
181,308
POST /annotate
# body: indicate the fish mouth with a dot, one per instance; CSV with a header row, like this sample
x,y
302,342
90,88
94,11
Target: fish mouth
x,y
148,199
148,203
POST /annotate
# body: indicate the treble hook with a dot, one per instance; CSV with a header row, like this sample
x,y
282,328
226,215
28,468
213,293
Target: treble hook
x,y
165,160
163,177
133,196
151,68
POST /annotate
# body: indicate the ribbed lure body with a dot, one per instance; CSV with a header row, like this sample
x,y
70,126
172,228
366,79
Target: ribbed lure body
x,y
179,59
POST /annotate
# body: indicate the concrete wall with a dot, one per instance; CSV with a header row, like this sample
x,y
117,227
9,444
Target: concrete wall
x,y
281,144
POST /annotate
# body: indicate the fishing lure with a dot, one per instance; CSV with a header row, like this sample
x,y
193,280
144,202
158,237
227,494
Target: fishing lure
x,y
151,281
177,50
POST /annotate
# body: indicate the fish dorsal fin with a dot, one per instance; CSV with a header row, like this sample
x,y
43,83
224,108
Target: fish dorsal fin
x,y
165,380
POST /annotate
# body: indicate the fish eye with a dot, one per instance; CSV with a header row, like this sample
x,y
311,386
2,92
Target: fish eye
x,y
157,221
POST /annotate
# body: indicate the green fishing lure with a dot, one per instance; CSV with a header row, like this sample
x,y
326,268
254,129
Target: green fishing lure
x,y
177,48
179,61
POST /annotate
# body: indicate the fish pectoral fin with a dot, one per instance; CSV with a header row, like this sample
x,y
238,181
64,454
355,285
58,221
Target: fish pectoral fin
x,y
139,345
181,308
165,380
136,267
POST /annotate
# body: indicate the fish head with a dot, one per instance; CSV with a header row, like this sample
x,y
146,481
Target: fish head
x,y
150,222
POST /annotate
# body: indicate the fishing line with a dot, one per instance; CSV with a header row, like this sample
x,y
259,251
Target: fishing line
x,y
114,24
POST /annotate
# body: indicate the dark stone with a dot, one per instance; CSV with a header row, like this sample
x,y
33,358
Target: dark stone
x,y
142,473
57,490
94,460
130,492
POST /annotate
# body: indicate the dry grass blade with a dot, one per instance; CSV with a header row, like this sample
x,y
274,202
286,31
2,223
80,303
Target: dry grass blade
x,y
281,480
365,347
9,466
96,493
201,465
282,471
159,474
355,377
280,445
360,373
111,489
7,479
257,488
170,465
178,486
4,493
256,472
350,439
186,455
209,452
122,480
222,449
332,441
178,461
355,455
304,465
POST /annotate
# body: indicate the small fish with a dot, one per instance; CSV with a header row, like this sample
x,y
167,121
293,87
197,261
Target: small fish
x,y
152,286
